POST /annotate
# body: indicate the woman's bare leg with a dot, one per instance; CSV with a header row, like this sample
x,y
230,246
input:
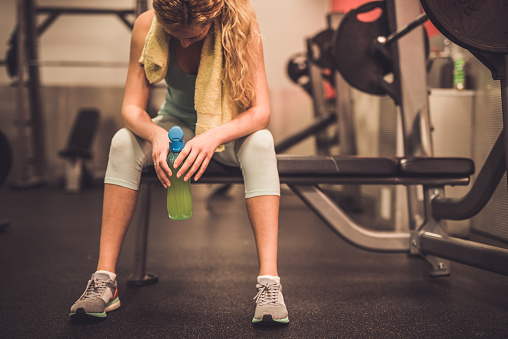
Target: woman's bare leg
x,y
118,208
264,217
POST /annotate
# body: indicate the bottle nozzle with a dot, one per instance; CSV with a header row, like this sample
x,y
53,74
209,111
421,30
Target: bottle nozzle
x,y
175,135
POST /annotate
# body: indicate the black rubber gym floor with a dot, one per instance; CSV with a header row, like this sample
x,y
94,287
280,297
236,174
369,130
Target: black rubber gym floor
x,y
207,268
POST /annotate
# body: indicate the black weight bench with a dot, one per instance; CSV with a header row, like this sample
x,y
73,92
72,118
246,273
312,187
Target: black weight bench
x,y
303,173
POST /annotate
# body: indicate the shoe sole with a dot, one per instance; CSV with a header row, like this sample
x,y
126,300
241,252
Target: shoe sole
x,y
81,313
268,320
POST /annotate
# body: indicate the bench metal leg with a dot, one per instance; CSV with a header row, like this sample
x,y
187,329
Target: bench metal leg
x,y
339,222
468,252
140,277
73,175
439,267
431,241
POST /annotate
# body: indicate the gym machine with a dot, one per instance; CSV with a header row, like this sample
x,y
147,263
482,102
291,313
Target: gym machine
x,y
312,70
23,64
481,28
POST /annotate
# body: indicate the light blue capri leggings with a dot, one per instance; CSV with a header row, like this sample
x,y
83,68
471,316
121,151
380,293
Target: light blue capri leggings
x,y
254,154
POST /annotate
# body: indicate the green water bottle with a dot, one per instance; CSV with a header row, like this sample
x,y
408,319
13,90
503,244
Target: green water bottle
x,y
179,193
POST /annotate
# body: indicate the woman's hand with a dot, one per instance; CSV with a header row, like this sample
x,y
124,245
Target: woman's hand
x,y
197,154
160,150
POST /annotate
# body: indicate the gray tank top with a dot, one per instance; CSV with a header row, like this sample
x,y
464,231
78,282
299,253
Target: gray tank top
x,y
179,101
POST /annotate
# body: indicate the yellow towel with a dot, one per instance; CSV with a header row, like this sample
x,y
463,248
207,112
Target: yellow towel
x,y
210,96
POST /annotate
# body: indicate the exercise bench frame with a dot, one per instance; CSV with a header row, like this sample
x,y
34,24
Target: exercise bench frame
x,y
303,174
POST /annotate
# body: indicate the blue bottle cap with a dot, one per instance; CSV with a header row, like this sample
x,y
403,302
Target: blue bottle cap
x,y
175,135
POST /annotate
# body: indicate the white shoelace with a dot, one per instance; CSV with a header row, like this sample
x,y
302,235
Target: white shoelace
x,y
267,294
94,289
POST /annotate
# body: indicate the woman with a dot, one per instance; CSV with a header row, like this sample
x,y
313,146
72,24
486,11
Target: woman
x,y
210,54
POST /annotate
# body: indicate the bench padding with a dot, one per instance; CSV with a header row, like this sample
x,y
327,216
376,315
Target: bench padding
x,y
336,165
295,169
427,166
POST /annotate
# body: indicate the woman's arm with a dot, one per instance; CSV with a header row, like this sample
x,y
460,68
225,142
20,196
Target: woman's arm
x,y
201,148
137,91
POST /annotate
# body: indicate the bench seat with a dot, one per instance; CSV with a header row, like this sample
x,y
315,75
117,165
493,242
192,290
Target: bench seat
x,y
297,169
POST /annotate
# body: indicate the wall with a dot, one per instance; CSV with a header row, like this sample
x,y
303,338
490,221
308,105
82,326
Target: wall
x,y
284,25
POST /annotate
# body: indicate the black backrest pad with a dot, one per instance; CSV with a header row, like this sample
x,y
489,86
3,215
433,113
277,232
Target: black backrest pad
x,y
84,129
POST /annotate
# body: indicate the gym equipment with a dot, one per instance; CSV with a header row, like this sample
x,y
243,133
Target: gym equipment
x,y
6,157
318,53
353,50
487,43
302,174
29,91
320,45
481,28
361,50
429,239
380,69
22,55
11,57
78,148
312,70
459,22
54,12
309,70
422,18
298,71
5,167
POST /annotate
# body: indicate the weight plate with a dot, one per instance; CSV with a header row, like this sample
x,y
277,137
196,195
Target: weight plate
x,y
320,49
353,51
298,67
479,25
298,71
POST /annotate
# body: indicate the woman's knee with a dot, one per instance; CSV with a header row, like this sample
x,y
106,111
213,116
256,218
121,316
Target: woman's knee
x,y
126,147
260,142
121,142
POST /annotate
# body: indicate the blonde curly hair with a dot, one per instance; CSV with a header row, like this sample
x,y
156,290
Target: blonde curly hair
x,y
240,38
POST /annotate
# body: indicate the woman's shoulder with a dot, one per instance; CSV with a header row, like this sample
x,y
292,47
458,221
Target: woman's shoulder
x,y
143,23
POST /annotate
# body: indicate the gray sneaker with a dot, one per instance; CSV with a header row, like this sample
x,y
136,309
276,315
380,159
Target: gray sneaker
x,y
270,307
100,296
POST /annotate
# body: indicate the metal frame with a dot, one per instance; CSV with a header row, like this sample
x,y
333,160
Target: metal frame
x,y
54,12
432,243
430,239
140,277
340,223
504,97
324,114
481,191
29,91
34,157
410,91
306,189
